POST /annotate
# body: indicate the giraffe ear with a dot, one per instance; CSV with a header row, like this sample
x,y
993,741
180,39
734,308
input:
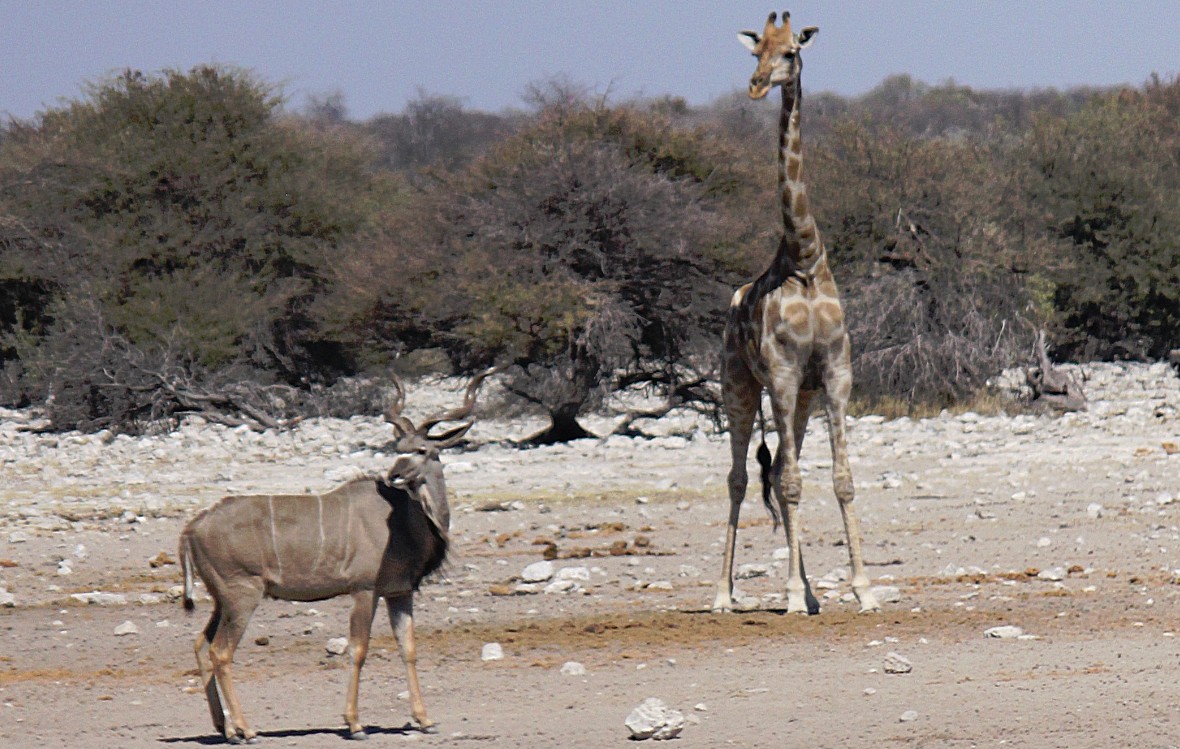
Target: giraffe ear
x,y
749,39
807,35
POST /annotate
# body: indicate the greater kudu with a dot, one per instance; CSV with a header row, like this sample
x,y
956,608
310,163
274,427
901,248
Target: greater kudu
x,y
368,538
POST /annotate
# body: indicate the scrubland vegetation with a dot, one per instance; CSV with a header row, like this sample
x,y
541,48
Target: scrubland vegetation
x,y
185,242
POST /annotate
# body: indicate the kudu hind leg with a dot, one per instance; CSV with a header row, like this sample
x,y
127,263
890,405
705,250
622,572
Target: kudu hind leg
x,y
205,668
234,618
360,627
401,617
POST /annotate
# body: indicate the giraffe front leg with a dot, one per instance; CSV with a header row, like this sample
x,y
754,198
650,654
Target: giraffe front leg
x,y
845,492
800,599
860,580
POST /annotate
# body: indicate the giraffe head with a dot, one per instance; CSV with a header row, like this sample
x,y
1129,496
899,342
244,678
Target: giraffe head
x,y
777,49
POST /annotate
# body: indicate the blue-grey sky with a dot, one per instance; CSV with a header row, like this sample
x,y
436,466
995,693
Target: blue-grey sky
x,y
379,55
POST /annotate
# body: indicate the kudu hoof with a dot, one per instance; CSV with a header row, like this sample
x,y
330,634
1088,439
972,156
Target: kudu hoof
x,y
359,735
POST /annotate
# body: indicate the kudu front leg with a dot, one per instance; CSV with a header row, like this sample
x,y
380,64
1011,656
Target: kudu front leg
x,y
360,626
401,617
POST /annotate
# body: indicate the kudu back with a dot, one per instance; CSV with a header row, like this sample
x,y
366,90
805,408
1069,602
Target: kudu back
x,y
369,539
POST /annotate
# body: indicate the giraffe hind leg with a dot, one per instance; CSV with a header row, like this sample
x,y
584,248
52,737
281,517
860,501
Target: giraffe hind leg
x,y
742,394
803,407
790,411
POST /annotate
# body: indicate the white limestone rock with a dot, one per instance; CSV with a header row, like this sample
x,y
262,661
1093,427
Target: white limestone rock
x,y
749,571
492,651
896,663
886,593
1005,632
1052,574
101,599
337,646
126,628
652,719
573,668
561,586
537,572
574,574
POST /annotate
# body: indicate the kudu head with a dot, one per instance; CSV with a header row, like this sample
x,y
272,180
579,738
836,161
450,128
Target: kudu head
x,y
417,468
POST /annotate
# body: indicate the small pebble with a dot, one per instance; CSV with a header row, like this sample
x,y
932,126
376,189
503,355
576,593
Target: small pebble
x,y
573,668
492,651
126,628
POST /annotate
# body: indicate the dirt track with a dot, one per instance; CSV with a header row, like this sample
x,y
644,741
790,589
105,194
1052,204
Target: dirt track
x,y
970,518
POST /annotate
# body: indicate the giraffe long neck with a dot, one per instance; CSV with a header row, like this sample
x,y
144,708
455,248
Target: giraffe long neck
x,y
800,236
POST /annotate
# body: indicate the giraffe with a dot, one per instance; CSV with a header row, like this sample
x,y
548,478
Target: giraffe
x,y
785,333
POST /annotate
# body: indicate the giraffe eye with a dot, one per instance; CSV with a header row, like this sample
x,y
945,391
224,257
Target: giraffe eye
x,y
788,55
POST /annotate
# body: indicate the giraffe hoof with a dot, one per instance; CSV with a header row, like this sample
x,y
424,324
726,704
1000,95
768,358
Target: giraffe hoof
x,y
797,603
868,602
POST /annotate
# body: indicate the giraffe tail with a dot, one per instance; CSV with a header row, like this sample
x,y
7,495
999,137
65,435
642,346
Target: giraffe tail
x,y
765,463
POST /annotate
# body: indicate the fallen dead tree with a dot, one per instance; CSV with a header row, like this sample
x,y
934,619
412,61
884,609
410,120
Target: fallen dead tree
x,y
1050,386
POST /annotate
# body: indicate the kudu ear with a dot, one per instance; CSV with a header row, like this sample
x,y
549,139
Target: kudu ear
x,y
451,437
749,39
435,508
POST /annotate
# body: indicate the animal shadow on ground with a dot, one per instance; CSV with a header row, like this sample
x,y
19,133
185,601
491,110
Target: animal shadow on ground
x,y
213,739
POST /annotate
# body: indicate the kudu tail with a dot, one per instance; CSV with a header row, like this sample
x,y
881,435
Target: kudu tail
x,y
765,463
185,555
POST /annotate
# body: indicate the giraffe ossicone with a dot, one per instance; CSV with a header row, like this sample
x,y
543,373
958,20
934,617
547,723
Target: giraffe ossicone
x,y
785,334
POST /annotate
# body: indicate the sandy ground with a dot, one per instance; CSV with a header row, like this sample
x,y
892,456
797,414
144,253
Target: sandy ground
x,y
977,522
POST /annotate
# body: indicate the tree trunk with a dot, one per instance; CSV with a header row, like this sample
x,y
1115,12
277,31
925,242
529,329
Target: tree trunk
x,y
563,427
